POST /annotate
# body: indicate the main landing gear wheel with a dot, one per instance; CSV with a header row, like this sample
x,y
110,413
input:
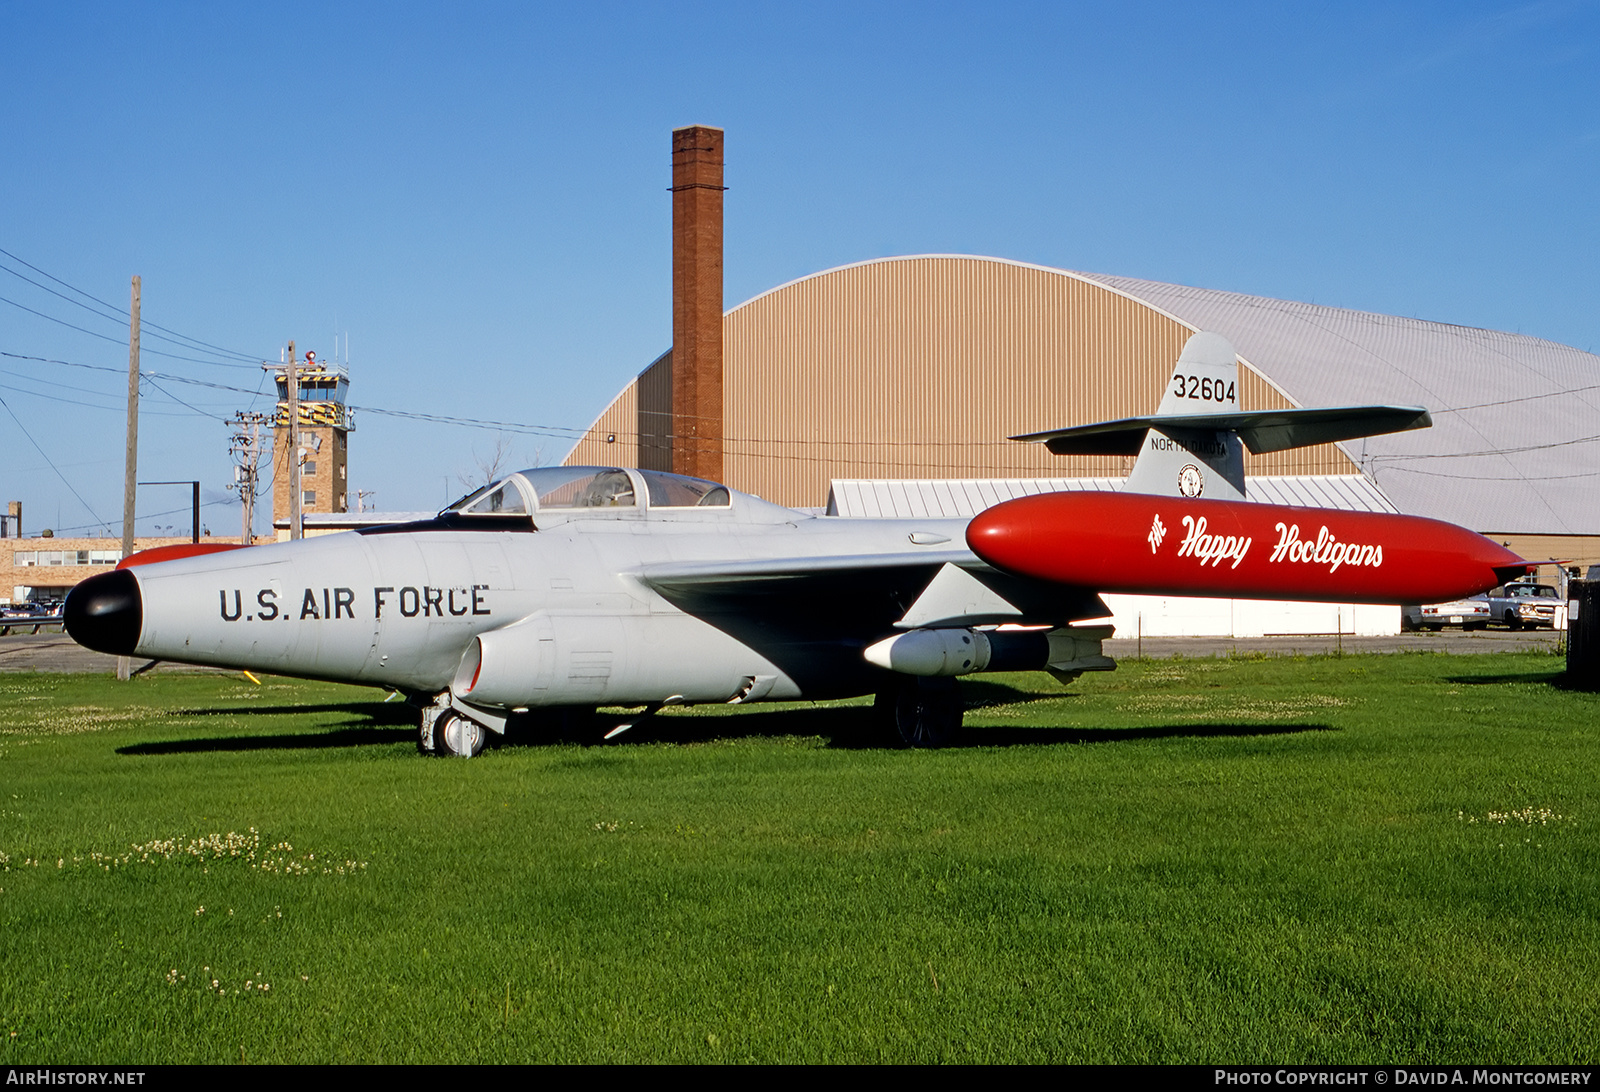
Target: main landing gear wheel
x,y
457,736
920,712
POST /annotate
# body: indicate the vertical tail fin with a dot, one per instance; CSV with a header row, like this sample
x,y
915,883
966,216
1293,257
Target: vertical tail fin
x,y
1193,460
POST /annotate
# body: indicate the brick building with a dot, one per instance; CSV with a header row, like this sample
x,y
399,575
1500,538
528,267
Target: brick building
x,y
42,569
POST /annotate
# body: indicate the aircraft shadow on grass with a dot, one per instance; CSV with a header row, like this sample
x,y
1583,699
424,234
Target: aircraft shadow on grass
x,y
1035,737
344,736
854,727
367,724
1557,679
379,712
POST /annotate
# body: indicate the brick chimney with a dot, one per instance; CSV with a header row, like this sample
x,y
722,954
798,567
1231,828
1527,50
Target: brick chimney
x,y
697,301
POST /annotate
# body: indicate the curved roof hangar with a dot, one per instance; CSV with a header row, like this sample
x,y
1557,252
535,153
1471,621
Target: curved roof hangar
x,y
920,366
1514,444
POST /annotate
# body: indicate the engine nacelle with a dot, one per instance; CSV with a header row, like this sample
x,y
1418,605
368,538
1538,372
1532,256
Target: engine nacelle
x,y
507,667
583,659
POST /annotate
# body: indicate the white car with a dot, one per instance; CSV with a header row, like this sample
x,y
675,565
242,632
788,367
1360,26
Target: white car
x,y
1471,613
1524,604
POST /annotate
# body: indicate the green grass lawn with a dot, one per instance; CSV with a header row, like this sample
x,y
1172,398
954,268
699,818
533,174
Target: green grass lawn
x,y
1360,859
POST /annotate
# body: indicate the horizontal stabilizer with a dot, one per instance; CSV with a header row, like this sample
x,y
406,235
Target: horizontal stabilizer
x,y
1261,430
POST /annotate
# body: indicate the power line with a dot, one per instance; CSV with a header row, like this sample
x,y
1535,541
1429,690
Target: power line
x,y
1479,454
52,360
64,296
146,378
62,322
118,341
121,311
1487,477
53,466
25,377
569,433
82,390
1526,398
118,372
56,398
62,283
122,319
149,515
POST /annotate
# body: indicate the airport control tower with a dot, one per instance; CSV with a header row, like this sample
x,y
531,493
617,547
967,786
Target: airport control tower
x,y
318,465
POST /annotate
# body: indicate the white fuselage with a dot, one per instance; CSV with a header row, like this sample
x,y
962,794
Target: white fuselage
x,y
585,624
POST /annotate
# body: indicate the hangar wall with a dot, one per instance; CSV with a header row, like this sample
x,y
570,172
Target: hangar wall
x,y
921,367
1513,445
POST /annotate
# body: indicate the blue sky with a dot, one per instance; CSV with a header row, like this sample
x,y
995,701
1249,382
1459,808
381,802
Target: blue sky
x,y
475,194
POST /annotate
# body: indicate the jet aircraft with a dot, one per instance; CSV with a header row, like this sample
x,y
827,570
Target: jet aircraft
x,y
559,589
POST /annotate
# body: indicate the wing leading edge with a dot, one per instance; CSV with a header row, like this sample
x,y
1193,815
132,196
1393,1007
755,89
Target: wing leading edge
x,y
875,591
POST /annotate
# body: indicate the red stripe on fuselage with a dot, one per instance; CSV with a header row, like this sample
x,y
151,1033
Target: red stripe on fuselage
x,y
173,553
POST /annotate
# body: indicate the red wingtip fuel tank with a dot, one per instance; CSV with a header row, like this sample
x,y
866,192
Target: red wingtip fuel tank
x,y
1145,544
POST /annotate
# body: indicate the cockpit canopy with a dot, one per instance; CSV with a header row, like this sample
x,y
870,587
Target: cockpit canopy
x,y
567,488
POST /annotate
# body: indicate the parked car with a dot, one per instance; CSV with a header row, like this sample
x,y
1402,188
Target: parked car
x,y
25,610
1523,603
1472,613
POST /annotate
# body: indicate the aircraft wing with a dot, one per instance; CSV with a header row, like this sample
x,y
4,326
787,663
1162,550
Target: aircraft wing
x,y
902,589
706,574
1261,430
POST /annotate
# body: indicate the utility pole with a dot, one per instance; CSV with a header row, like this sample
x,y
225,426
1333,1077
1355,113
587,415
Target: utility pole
x,y
296,521
246,448
130,476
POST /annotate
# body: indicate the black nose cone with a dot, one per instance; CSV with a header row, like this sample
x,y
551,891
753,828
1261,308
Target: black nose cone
x,y
105,613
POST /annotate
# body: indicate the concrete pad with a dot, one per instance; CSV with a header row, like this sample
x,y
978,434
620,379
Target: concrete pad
x,y
56,652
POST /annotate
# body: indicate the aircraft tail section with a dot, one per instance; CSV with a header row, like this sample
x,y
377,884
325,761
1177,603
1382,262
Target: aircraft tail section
x,y
1193,445
1192,459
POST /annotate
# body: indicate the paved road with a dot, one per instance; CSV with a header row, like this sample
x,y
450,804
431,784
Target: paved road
x,y
58,652
1453,641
